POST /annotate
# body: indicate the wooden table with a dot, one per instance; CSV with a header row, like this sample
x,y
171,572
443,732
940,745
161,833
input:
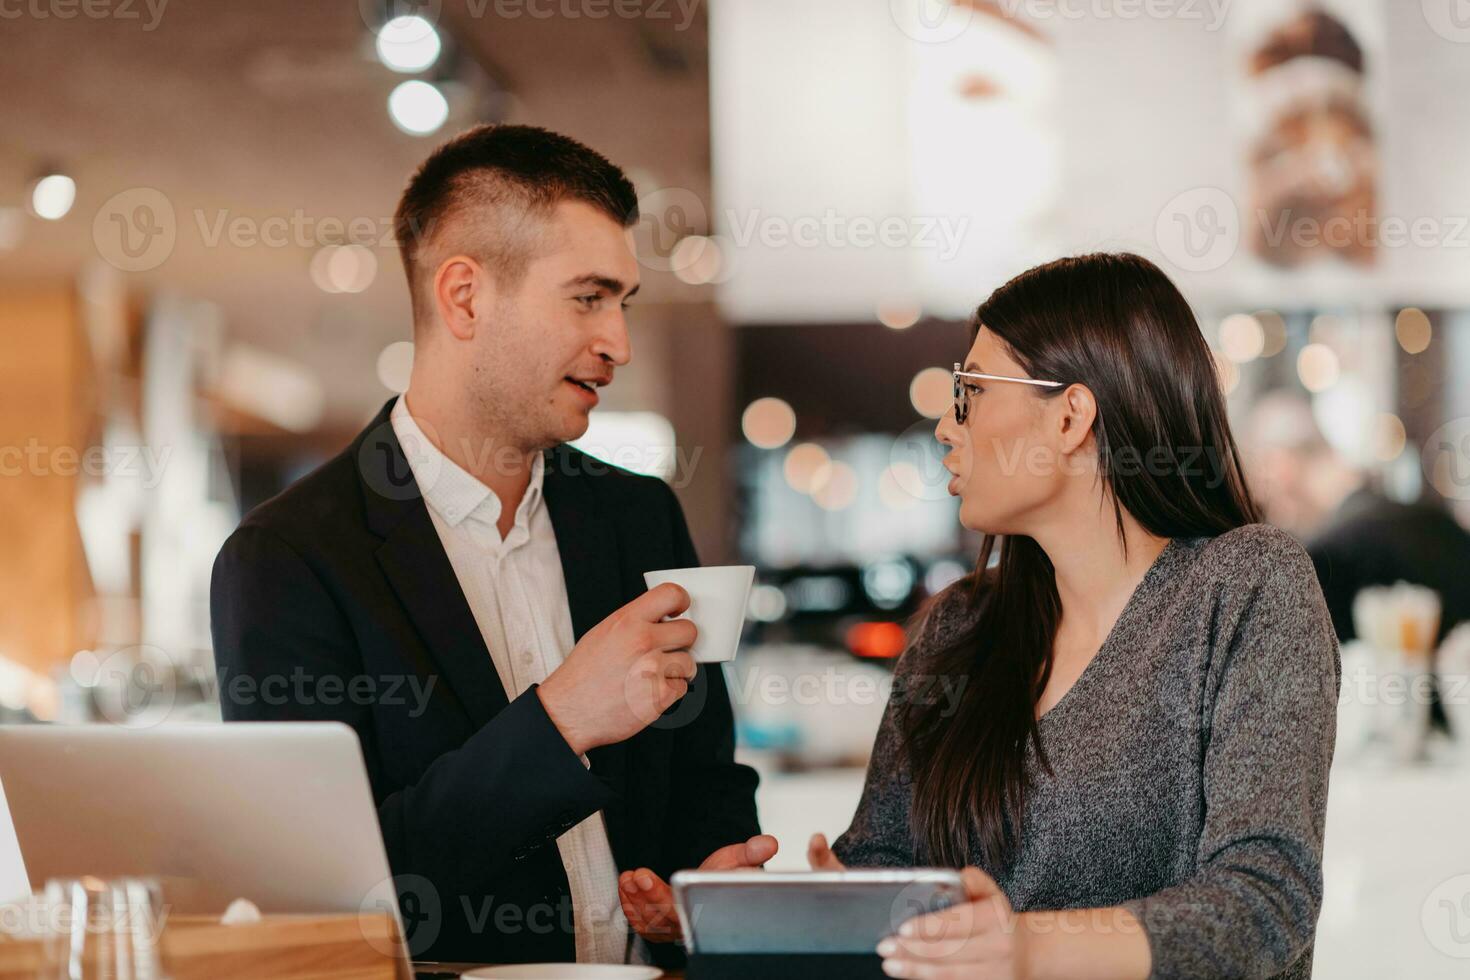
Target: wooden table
x,y
283,947
464,967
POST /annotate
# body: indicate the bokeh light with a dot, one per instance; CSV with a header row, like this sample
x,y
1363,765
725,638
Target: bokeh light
x,y
1413,330
418,108
807,467
899,316
1241,338
408,44
768,423
1273,332
52,196
344,268
1389,437
931,392
697,260
1317,367
395,365
839,489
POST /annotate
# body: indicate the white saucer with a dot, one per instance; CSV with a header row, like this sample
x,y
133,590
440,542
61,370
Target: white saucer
x,y
564,971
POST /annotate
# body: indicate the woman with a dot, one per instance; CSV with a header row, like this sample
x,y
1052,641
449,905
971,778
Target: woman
x,y
1136,770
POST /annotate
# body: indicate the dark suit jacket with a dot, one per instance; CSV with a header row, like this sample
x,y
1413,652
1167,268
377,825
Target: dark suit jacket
x,y
1372,540
336,601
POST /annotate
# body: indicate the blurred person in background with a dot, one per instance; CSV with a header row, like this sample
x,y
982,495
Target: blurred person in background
x,y
1148,723
1357,536
565,731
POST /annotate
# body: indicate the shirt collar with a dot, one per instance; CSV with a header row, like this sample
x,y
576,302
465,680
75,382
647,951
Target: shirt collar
x,y
453,493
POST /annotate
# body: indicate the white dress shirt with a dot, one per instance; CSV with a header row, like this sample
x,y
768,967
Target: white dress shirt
x,y
518,597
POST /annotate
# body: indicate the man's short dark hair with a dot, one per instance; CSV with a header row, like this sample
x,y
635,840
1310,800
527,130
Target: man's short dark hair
x,y
504,178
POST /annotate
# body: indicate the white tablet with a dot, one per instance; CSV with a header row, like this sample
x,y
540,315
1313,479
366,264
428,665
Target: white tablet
x,y
806,911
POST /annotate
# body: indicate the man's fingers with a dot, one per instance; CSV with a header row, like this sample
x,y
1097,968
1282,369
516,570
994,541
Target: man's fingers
x,y
751,854
676,634
648,903
760,849
647,885
672,689
660,601
678,664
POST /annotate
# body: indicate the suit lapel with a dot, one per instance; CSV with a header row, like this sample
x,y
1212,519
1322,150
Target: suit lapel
x,y
418,570
591,567
420,574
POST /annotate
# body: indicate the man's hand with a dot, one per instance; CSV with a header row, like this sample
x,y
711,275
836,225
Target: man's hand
x,y
648,902
625,672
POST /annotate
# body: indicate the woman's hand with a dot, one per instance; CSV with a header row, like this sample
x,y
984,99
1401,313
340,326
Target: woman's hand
x,y
981,939
820,856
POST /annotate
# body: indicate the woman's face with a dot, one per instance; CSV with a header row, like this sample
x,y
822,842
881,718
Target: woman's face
x,y
1006,457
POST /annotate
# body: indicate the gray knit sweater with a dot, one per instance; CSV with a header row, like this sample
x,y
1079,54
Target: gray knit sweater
x,y
1190,763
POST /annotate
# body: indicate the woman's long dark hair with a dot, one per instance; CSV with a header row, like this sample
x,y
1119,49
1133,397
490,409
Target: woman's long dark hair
x,y
1116,324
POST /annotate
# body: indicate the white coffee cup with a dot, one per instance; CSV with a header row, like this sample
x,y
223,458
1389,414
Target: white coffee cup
x,y
717,598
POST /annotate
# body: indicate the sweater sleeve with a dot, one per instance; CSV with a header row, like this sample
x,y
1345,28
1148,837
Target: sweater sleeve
x,y
880,834
1269,723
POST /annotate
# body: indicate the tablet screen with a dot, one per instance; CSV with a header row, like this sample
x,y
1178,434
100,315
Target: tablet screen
x,y
806,912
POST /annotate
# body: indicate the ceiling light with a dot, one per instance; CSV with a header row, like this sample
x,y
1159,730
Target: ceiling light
x,y
418,108
408,44
52,196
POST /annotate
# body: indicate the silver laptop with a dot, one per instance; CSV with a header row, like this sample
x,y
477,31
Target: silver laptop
x,y
279,813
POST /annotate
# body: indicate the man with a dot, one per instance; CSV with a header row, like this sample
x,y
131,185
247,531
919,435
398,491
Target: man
x,y
459,551
1356,535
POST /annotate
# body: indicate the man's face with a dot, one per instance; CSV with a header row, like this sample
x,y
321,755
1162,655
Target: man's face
x,y
559,333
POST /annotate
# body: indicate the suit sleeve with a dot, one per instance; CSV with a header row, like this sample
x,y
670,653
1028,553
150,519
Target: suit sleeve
x,y
514,786
1340,578
712,802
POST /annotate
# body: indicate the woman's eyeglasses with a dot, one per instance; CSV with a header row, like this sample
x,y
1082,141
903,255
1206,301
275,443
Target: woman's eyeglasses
x,y
962,390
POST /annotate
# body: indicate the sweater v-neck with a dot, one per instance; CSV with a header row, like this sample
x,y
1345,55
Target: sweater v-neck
x,y
1134,607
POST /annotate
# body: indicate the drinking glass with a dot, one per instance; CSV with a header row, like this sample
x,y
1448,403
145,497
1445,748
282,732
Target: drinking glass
x,y
103,929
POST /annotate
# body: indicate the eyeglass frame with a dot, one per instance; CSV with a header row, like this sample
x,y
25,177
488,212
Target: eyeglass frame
x,y
962,397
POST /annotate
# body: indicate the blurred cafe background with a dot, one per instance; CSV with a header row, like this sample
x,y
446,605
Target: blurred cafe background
x,y
200,301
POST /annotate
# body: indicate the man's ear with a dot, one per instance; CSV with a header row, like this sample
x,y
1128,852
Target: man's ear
x,y
461,290
1079,412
